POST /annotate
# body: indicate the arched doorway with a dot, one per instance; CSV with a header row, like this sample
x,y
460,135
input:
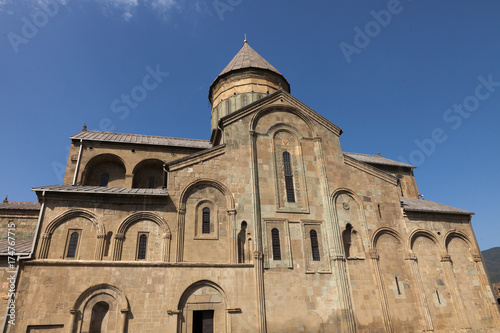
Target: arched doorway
x,y
202,309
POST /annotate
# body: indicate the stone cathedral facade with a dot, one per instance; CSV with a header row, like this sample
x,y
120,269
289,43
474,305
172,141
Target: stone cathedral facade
x,y
267,227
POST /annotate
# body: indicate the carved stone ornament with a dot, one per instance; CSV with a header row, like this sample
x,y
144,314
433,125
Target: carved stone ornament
x,y
346,205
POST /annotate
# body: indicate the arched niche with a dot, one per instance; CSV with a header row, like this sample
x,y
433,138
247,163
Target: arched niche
x,y
143,223
468,278
148,174
220,244
350,219
395,278
100,308
55,239
432,274
281,115
204,302
104,170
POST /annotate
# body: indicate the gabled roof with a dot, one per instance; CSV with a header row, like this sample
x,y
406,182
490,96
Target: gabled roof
x,y
248,58
421,205
276,96
196,157
141,139
377,159
101,190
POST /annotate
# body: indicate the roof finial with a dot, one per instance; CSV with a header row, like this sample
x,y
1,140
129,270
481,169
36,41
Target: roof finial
x,y
245,41
379,154
84,128
5,200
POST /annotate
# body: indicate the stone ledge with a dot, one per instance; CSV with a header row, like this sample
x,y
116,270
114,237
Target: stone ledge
x,y
58,262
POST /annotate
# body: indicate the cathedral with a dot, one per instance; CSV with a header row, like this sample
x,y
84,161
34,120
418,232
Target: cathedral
x,y
267,227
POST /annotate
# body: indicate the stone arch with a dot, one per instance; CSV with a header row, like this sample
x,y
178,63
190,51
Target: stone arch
x,y
470,279
273,130
210,182
422,233
111,164
361,240
431,281
203,295
101,293
287,139
395,281
226,212
71,214
283,108
385,230
456,234
138,217
145,170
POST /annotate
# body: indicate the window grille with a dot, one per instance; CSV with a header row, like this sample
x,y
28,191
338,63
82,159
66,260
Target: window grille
x,y
143,242
290,194
314,245
276,244
206,221
73,243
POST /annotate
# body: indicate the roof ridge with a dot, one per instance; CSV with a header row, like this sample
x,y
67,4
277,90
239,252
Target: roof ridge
x,y
144,135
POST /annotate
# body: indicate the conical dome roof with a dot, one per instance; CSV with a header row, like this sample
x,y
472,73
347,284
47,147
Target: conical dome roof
x,y
248,58
247,78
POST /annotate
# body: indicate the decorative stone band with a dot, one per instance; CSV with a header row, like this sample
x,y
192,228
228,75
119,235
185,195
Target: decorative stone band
x,y
445,258
173,312
372,253
338,257
258,255
477,257
410,256
119,236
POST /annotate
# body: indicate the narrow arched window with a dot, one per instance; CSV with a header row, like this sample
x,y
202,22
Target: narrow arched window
x,y
143,243
244,98
287,164
275,234
314,245
73,243
205,226
104,179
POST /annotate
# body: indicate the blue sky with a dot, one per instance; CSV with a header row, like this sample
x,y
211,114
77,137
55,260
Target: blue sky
x,y
417,81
